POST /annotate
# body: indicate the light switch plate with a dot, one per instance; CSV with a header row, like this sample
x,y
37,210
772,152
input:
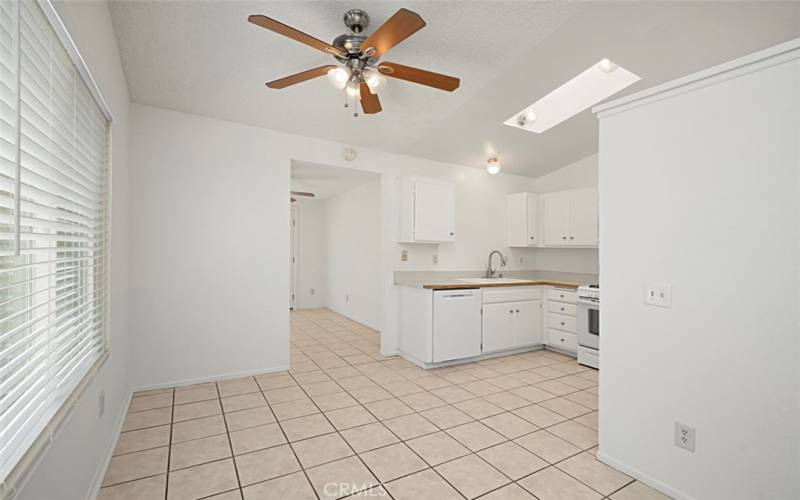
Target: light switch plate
x,y
658,294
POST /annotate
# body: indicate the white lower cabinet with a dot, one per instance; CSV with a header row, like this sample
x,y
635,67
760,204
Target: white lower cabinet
x,y
512,324
498,327
560,319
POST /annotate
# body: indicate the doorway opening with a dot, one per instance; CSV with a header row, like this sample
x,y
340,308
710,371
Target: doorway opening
x,y
336,240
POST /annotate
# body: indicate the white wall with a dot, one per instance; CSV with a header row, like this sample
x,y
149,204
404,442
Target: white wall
x,y
581,174
210,234
312,266
700,190
210,201
353,240
73,465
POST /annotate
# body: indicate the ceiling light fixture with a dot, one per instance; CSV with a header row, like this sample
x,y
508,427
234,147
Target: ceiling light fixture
x,y
493,166
607,66
374,80
361,73
338,77
599,82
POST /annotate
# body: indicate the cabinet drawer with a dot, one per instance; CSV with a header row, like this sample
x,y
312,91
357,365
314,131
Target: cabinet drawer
x,y
561,308
510,294
562,295
561,322
563,340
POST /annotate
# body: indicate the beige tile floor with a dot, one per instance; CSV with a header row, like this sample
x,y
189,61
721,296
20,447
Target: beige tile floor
x,y
345,420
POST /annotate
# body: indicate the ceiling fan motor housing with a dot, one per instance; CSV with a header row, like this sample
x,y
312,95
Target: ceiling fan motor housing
x,y
357,21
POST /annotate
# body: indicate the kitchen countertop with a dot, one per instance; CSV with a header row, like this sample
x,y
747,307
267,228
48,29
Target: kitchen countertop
x,y
449,280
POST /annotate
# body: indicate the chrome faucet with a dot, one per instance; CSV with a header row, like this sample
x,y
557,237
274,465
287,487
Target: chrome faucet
x,y
491,270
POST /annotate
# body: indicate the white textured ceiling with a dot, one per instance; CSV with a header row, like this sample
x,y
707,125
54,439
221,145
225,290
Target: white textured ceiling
x,y
205,58
327,181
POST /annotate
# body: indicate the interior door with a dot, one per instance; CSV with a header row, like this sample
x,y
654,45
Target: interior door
x,y
556,219
434,212
583,218
498,326
527,323
292,256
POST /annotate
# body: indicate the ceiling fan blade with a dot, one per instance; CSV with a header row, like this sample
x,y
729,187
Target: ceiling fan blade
x,y
297,35
397,28
421,76
369,101
282,83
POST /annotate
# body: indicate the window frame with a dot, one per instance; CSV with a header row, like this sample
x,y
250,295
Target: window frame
x,y
34,448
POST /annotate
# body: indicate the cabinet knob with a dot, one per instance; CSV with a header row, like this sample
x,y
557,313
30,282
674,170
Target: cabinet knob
x,y
562,340
517,310
572,237
511,311
531,237
562,323
563,237
562,295
562,308
452,234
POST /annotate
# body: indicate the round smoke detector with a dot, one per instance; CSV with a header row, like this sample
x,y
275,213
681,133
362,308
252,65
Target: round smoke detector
x,y
349,154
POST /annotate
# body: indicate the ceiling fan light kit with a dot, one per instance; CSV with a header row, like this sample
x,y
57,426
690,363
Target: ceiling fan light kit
x,y
360,74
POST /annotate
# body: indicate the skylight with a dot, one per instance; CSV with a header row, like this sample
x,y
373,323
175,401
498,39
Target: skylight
x,y
599,82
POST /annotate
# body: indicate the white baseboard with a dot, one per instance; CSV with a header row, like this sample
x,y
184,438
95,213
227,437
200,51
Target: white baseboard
x,y
650,481
210,378
97,482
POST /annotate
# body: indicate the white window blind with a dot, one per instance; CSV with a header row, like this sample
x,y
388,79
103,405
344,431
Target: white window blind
x,y
54,185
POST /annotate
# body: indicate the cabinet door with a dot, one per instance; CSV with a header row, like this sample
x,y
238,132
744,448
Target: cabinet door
x,y
498,327
556,219
583,218
517,220
434,212
527,323
533,220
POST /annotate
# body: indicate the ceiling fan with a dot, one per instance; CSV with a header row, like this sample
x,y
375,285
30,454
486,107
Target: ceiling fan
x,y
360,74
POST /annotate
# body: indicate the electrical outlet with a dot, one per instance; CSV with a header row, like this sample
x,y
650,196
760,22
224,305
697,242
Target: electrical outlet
x,y
684,436
658,294
435,259
404,256
312,291
522,260
101,403
347,297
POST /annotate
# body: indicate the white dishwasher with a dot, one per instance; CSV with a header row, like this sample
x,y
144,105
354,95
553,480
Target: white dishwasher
x,y
456,324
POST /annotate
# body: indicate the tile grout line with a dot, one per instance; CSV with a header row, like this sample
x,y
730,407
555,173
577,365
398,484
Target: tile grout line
x,y
384,372
230,443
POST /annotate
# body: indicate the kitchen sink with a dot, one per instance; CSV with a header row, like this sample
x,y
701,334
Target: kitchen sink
x,y
497,281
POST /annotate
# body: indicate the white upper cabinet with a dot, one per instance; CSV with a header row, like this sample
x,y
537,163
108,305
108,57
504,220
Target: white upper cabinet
x,y
570,218
427,211
523,220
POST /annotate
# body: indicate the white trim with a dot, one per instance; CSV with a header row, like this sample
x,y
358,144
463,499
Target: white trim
x,y
650,481
100,474
66,40
210,378
772,56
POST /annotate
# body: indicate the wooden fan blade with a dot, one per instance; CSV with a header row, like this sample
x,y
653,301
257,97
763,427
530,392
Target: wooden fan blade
x,y
421,76
297,35
369,101
397,28
282,83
